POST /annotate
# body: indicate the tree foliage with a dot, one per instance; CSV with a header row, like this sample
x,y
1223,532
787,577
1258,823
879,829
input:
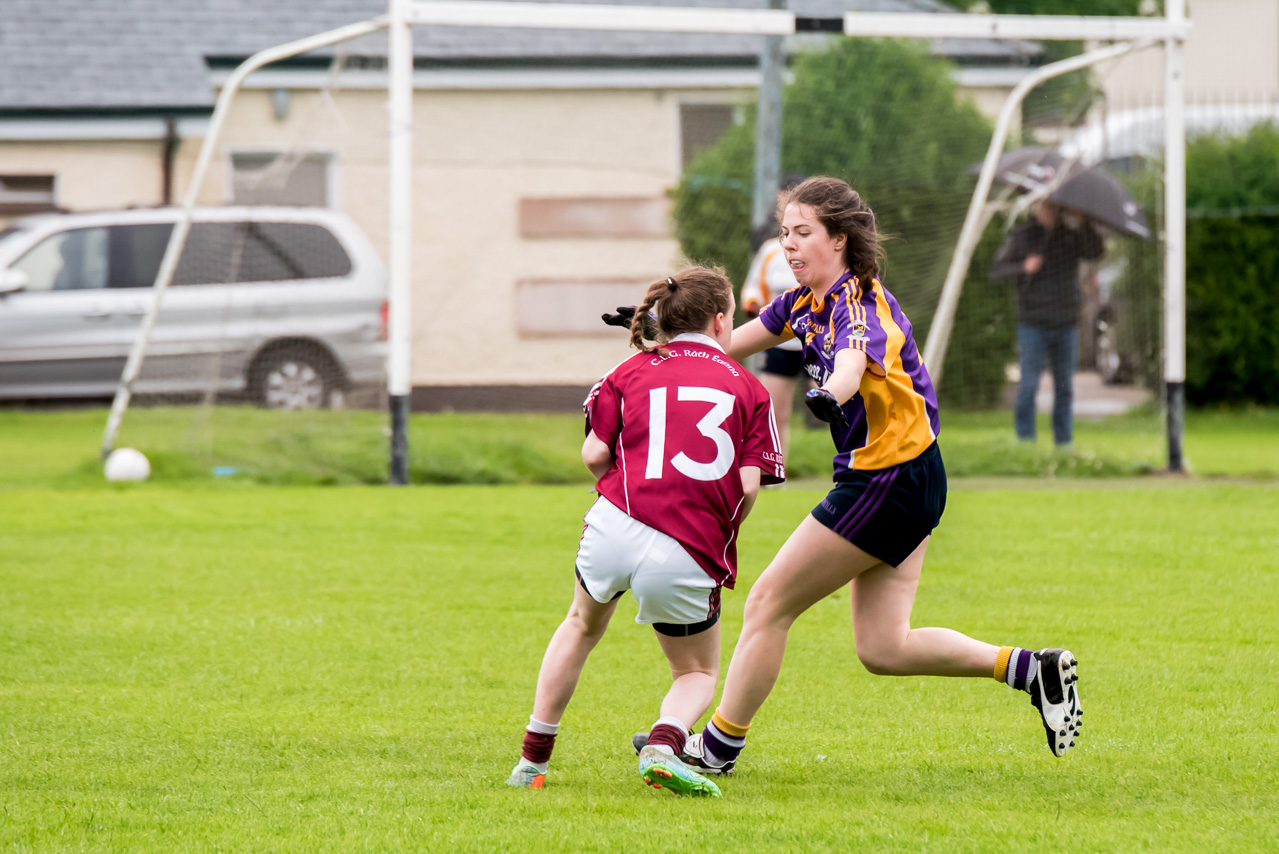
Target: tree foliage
x,y
1232,266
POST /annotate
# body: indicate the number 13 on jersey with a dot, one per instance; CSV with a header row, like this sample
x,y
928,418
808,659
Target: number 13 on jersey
x,y
709,426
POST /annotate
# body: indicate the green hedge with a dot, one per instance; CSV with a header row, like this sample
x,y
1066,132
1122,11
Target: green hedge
x,y
885,116
1232,272
1232,268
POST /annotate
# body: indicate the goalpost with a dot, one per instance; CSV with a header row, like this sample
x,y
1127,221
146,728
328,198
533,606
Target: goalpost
x,y
402,15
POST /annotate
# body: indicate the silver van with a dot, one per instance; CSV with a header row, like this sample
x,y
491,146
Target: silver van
x,y
286,305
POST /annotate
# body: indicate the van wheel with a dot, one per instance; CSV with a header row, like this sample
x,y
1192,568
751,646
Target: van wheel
x,y
293,378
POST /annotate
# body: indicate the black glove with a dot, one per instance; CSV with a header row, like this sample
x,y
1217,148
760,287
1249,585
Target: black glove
x,y
823,404
625,315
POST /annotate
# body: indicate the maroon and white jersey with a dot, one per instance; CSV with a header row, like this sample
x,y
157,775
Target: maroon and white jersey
x,y
680,427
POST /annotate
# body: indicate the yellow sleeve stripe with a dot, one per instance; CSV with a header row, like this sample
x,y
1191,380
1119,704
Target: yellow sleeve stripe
x,y
861,309
896,337
1001,663
856,311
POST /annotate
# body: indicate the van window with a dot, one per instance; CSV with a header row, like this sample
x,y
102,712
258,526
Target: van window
x,y
226,252
70,260
135,254
211,250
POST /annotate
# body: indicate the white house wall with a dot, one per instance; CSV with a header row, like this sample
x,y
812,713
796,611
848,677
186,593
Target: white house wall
x,y
1231,55
478,154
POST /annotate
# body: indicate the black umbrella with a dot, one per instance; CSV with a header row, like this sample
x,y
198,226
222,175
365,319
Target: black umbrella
x,y
1028,168
1096,194
1091,190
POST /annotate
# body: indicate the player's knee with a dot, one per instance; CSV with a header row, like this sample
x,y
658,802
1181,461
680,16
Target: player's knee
x,y
767,606
585,625
879,658
696,672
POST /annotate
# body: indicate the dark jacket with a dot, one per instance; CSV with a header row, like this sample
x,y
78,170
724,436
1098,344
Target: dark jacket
x,y
1049,298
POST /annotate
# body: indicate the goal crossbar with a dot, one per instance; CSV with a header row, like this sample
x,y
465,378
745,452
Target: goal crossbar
x,y
777,22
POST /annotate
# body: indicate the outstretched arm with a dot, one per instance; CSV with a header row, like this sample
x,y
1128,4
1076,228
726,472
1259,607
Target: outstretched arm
x,y
750,338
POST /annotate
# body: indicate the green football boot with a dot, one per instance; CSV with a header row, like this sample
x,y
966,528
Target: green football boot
x,y
663,771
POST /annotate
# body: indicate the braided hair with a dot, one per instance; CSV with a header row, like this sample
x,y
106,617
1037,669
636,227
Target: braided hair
x,y
684,302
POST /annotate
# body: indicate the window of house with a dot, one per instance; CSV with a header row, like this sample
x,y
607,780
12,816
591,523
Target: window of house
x,y
24,194
281,178
701,125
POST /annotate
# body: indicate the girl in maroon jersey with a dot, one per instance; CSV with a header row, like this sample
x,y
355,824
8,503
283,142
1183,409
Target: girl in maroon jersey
x,y
680,437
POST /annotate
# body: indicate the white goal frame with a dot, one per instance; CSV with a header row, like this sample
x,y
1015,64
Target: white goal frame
x,y
1171,30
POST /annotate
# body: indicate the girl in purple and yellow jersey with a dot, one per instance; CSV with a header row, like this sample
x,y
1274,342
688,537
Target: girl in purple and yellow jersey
x,y
873,528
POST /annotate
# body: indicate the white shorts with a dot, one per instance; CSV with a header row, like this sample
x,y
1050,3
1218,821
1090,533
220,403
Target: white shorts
x,y
618,553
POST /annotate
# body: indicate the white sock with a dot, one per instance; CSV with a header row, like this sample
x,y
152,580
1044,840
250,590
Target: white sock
x,y
534,725
1023,661
670,720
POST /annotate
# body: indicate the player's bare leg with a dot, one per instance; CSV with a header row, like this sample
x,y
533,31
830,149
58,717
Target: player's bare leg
x,y
812,564
883,597
887,645
694,661
694,665
567,653
561,668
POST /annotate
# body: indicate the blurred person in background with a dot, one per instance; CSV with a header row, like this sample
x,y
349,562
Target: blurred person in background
x,y
1044,255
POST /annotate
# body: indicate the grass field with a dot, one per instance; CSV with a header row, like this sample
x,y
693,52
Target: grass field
x,y
192,445
227,667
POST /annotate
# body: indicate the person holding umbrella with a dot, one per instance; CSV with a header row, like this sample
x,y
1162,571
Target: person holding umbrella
x,y
1044,254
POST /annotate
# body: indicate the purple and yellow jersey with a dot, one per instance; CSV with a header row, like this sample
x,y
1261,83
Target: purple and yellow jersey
x,y
893,417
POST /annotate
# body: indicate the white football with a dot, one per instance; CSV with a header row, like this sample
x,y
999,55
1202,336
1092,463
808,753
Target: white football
x,y
127,464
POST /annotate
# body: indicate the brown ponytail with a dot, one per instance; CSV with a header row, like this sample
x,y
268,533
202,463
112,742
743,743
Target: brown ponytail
x,y
685,302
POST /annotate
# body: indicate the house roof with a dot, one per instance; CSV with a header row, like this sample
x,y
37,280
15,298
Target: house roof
x,y
75,56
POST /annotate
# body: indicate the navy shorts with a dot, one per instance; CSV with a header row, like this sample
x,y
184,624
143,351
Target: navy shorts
x,y
889,512
784,363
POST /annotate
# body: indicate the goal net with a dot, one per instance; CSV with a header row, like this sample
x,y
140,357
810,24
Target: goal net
x,y
557,172
267,359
